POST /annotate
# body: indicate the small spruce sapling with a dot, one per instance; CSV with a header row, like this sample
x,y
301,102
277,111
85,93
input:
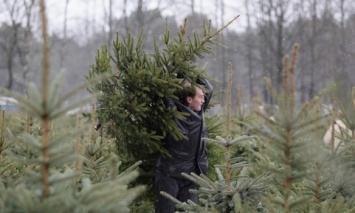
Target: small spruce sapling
x,y
288,152
48,189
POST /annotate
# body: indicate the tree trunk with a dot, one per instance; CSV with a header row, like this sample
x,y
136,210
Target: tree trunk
x,y
62,50
110,31
28,38
249,51
140,16
10,54
342,54
312,48
125,19
192,6
279,48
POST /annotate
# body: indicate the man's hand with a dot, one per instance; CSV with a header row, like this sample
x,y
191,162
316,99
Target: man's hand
x,y
179,75
169,102
200,80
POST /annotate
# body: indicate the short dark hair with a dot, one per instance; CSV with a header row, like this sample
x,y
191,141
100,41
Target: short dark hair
x,y
189,89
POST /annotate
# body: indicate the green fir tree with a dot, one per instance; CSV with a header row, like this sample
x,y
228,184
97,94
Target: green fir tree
x,y
132,106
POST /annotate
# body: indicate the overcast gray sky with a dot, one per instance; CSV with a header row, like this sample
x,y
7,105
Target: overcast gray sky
x,y
81,10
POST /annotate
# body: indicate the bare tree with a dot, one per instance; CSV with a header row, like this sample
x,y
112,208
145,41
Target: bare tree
x,y
108,20
62,50
342,47
312,46
192,6
308,30
16,39
279,9
13,8
140,15
274,17
224,66
249,56
346,54
24,52
125,19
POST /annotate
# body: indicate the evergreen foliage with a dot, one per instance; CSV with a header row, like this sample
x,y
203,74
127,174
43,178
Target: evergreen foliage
x,y
237,187
302,168
39,170
40,176
291,135
233,182
294,171
46,168
132,107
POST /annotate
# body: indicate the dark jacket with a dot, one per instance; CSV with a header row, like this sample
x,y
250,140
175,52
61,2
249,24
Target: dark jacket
x,y
187,155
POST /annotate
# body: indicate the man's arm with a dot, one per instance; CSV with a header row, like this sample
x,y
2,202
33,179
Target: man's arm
x,y
208,93
169,102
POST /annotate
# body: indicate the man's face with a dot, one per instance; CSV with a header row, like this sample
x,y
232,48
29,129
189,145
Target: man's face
x,y
196,102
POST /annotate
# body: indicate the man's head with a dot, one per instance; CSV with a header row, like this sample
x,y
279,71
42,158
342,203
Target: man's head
x,y
193,96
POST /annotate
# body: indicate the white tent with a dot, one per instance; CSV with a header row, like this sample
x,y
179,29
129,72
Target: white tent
x,y
7,101
8,104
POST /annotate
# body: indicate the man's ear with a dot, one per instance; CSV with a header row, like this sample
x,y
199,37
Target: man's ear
x,y
188,99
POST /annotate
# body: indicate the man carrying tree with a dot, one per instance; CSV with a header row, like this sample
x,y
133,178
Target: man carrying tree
x,y
188,154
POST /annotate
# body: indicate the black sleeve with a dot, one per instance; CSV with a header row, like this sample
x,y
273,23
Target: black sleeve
x,y
169,102
208,93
